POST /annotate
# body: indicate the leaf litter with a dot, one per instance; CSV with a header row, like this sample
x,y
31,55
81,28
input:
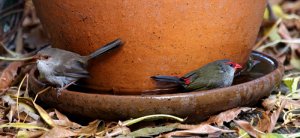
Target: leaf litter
x,y
276,116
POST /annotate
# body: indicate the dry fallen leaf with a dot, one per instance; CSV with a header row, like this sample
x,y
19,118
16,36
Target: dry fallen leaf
x,y
274,117
263,122
8,75
200,129
247,127
291,6
34,37
29,134
58,132
227,116
43,114
151,131
119,131
23,125
90,129
283,31
270,102
64,121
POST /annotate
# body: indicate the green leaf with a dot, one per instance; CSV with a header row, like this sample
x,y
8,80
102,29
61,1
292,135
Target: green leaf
x,y
273,135
274,36
289,83
295,60
151,117
266,14
292,83
23,125
294,135
22,134
278,11
150,131
243,134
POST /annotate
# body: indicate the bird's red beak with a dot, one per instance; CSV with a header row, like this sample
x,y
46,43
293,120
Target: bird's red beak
x,y
234,65
237,66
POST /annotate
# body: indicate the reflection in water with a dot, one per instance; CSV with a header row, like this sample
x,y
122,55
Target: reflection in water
x,y
245,77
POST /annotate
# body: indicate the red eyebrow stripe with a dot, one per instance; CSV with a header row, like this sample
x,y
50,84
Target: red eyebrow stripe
x,y
230,63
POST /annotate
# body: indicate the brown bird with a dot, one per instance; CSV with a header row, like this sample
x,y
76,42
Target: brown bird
x,y
62,68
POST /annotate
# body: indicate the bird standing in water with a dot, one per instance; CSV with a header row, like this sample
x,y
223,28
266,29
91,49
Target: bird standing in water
x,y
216,74
62,68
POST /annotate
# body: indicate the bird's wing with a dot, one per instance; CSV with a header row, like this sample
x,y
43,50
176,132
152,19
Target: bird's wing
x,y
191,75
73,68
205,77
202,83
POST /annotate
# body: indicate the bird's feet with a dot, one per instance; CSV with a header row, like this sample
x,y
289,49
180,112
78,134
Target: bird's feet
x,y
58,93
64,87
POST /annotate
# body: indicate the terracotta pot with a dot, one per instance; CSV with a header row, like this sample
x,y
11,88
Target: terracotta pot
x,y
161,36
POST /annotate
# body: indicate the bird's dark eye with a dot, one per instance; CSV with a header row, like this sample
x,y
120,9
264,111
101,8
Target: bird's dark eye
x,y
231,64
44,57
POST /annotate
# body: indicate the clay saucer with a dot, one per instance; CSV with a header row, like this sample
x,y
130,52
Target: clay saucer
x,y
196,106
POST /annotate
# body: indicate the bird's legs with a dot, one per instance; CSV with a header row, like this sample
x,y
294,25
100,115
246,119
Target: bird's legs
x,y
64,87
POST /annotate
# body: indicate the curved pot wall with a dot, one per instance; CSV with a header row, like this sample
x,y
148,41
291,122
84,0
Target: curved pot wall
x,y
169,37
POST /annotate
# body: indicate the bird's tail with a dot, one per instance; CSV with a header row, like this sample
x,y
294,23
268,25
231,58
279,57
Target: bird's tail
x,y
172,79
114,44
